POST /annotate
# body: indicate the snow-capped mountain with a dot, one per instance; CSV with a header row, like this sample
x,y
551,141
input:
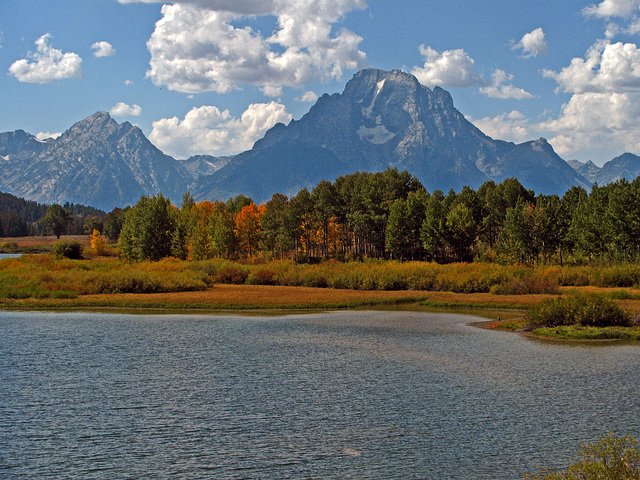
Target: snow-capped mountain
x,y
385,119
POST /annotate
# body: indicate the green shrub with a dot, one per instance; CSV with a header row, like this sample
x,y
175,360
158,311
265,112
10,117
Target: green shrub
x,y
8,247
68,249
610,458
588,310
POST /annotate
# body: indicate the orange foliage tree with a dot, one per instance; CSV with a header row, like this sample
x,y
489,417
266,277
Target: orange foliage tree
x,y
249,228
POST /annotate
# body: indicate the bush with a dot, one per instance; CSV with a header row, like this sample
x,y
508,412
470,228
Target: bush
x,y
610,458
588,310
68,249
8,247
230,275
533,284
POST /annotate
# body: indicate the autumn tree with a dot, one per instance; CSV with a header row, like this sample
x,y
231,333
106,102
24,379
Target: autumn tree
x,y
98,242
248,228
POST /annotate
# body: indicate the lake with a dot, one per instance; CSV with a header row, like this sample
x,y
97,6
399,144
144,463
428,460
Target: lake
x,y
343,395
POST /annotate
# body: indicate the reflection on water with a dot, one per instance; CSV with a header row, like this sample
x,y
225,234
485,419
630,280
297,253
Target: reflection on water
x,y
346,395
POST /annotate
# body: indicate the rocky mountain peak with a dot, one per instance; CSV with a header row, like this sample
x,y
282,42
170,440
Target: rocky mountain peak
x,y
98,125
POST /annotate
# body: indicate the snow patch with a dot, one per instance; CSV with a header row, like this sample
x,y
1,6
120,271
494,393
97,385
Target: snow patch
x,y
366,112
377,135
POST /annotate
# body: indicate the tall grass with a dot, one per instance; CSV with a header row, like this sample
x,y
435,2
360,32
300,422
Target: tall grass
x,y
40,276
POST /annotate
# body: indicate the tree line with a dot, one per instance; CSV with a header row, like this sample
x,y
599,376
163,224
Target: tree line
x,y
21,218
390,215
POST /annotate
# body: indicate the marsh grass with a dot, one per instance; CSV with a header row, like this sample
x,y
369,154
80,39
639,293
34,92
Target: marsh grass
x,y
45,277
578,332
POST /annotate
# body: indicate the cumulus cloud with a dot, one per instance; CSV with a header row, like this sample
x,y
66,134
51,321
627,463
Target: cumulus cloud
x,y
613,8
103,49
451,68
498,89
604,108
608,67
272,90
47,64
532,44
591,120
121,109
308,97
207,130
46,135
195,46
511,126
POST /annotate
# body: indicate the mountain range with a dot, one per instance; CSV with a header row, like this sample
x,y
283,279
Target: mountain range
x,y
381,119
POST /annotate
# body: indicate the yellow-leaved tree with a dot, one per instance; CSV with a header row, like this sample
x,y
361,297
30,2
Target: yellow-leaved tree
x,y
98,242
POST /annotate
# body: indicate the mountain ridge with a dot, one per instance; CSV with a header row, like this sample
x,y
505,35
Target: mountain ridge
x,y
381,119
386,119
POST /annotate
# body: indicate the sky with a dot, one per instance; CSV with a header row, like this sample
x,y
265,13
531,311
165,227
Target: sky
x,y
211,76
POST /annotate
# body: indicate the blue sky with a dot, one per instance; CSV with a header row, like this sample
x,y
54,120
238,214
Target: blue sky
x,y
211,76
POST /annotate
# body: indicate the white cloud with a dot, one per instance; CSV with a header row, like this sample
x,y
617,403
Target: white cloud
x,y
608,67
207,130
604,108
103,49
613,8
308,97
532,44
451,68
121,109
512,127
498,89
128,82
246,7
46,135
591,120
272,90
196,48
47,64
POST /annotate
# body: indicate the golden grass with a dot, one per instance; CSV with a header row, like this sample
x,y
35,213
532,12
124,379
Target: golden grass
x,y
230,297
36,241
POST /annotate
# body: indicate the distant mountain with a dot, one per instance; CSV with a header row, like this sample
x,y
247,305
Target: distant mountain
x,y
385,119
588,170
625,166
380,120
96,162
199,165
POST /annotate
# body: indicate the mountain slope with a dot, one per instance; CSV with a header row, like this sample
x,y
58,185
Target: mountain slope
x,y
96,162
384,119
626,166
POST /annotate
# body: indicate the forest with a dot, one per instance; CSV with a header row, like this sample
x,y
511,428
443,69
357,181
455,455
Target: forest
x,y
21,218
390,215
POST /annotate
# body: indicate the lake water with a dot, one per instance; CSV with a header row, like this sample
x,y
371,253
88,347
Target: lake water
x,y
346,395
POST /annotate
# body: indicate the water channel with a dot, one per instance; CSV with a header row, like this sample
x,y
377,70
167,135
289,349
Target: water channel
x,y
342,395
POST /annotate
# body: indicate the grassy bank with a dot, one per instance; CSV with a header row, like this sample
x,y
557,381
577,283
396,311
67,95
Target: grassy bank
x,y
42,282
